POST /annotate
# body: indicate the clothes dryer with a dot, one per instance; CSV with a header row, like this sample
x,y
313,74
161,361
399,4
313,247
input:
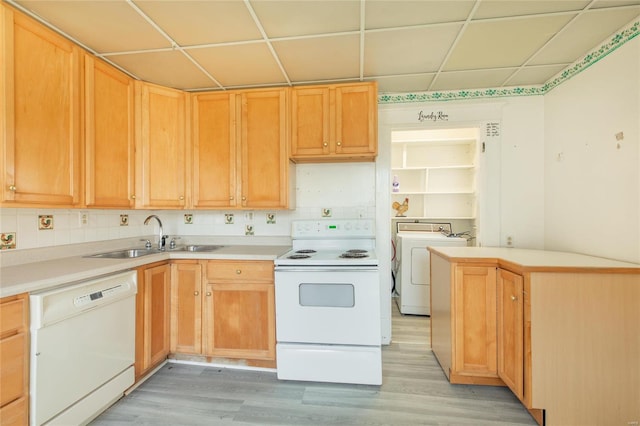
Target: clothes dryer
x,y
413,278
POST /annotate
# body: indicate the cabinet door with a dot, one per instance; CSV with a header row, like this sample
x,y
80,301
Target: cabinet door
x,y
162,150
510,331
356,120
109,136
310,121
264,155
240,320
186,307
40,106
214,150
475,321
152,317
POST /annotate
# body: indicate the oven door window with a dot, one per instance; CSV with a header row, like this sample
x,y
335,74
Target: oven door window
x,y
334,295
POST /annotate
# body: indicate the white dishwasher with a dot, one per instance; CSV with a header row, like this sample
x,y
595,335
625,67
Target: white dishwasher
x,y
82,348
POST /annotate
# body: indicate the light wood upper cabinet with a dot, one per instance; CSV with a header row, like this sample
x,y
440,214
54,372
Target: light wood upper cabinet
x,y
161,147
109,136
186,307
510,331
240,157
264,160
214,150
334,123
41,114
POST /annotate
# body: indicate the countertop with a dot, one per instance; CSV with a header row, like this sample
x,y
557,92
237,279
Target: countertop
x,y
35,276
526,260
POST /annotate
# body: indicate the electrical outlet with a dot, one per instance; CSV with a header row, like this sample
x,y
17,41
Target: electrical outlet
x,y
83,219
509,241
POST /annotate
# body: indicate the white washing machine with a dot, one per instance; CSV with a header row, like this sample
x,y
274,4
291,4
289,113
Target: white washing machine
x,y
413,277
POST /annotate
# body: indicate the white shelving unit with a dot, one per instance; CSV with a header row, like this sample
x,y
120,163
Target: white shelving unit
x,y
436,175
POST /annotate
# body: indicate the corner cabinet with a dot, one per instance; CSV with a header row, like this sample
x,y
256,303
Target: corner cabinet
x,y
109,136
14,360
41,115
240,150
334,123
161,147
152,317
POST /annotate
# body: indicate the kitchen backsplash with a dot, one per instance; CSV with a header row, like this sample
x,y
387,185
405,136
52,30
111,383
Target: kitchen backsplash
x,y
323,190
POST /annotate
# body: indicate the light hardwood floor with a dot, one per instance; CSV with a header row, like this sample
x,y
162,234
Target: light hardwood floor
x,y
414,392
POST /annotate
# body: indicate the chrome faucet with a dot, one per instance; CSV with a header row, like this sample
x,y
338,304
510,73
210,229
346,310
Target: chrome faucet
x,y
161,236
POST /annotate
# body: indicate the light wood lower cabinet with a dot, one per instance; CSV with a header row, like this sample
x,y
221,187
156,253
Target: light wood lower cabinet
x,y
14,360
186,306
510,322
224,309
152,316
474,322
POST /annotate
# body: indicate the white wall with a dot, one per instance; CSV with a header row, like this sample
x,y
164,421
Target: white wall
x,y
592,186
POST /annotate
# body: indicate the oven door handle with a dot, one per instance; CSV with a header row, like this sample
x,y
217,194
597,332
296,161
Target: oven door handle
x,y
327,269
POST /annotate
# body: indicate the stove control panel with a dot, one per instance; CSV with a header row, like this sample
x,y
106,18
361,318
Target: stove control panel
x,y
333,228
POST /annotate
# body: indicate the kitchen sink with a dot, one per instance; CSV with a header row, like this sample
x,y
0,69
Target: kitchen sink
x,y
201,247
125,254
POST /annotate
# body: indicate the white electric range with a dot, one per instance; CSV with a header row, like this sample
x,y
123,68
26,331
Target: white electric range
x,y
328,304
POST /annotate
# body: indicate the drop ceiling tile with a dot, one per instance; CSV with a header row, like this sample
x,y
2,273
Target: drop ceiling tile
x,y
322,58
202,22
103,26
502,8
456,80
170,68
294,18
243,64
503,43
402,84
407,51
614,3
388,13
587,32
534,75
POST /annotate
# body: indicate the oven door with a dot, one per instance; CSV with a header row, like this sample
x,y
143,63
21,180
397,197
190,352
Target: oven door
x,y
326,305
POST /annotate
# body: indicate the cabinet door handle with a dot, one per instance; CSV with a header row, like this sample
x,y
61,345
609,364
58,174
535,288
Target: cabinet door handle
x,y
325,144
196,293
133,197
231,198
208,293
238,271
339,144
244,198
514,298
181,198
12,188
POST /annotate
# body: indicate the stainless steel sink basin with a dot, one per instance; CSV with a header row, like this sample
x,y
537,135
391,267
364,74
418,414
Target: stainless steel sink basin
x,y
201,247
126,254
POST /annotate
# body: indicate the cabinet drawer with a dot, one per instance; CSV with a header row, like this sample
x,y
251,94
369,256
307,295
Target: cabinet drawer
x,y
12,368
240,270
14,414
13,315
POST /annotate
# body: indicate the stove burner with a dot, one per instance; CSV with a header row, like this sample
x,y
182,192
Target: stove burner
x,y
354,254
357,251
305,251
298,256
